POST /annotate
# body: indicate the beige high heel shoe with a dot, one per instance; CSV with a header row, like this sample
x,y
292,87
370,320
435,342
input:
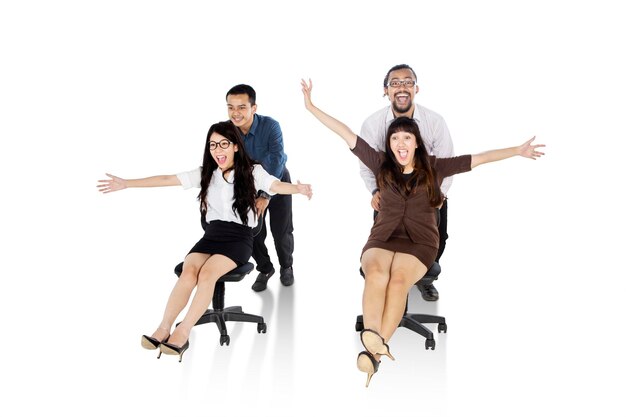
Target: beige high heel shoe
x,y
367,363
375,344
170,349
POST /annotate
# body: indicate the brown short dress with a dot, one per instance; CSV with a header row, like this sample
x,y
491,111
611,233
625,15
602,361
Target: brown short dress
x,y
408,224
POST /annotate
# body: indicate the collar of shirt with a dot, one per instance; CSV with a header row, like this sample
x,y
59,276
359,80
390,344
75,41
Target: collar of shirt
x,y
230,175
391,117
252,131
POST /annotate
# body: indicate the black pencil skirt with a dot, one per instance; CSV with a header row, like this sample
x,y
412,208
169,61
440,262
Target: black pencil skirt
x,y
232,240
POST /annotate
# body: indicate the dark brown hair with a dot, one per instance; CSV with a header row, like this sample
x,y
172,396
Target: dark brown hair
x,y
390,173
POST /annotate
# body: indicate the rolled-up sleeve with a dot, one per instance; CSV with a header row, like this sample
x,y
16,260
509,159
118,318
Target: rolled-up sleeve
x,y
190,179
371,158
368,133
263,180
275,159
447,167
443,147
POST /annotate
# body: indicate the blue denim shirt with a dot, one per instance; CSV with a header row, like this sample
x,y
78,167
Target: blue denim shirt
x,y
264,143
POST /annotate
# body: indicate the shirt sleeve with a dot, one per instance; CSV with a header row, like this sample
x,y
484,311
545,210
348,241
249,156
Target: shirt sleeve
x,y
262,179
368,132
446,167
275,159
190,179
371,158
443,147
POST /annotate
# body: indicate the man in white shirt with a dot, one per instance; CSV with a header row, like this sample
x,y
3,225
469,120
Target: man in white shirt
x,y
400,87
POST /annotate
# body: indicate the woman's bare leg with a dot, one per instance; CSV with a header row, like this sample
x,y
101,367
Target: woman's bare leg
x,y
211,271
376,264
179,297
406,270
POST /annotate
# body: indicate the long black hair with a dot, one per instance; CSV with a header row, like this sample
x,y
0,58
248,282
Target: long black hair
x,y
243,200
423,174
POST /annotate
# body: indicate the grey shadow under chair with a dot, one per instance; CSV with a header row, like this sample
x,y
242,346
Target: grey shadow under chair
x,y
220,314
413,321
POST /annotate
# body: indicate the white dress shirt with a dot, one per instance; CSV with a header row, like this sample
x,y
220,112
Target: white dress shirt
x,y
221,192
433,130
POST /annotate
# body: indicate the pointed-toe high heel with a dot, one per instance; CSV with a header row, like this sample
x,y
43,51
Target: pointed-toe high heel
x,y
367,363
375,344
170,349
150,343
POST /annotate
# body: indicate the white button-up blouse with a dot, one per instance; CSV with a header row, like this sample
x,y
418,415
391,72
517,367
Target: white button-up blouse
x,y
221,192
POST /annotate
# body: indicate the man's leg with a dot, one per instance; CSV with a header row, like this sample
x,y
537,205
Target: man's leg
x,y
443,228
281,225
262,258
426,287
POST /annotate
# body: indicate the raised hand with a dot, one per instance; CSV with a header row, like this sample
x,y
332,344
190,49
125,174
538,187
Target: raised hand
x,y
306,91
305,189
528,150
113,184
327,120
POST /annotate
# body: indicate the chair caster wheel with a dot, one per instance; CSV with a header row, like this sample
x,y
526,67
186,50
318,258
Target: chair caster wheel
x,y
430,344
224,339
358,326
442,328
261,328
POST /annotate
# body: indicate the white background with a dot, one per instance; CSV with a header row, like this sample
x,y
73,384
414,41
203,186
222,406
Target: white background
x,y
532,286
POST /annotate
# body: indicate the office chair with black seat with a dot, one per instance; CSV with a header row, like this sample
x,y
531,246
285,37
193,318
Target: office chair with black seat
x,y
413,321
220,314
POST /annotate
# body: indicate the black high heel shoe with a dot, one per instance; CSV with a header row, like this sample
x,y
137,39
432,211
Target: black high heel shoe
x,y
150,343
375,344
170,349
367,363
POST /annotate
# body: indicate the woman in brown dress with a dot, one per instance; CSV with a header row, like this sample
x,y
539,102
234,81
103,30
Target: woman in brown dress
x,y
403,241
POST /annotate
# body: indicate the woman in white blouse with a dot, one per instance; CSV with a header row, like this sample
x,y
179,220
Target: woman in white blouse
x,y
228,182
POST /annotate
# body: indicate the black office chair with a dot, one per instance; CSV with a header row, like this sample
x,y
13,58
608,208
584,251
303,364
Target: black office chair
x,y
414,321
220,315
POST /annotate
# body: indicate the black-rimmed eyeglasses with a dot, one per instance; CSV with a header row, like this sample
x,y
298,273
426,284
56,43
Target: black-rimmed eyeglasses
x,y
224,144
398,83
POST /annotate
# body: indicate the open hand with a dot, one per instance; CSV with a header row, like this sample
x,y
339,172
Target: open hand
x,y
306,91
305,189
114,184
528,150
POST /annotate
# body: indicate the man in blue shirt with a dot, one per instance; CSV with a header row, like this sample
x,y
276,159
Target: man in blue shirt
x,y
263,140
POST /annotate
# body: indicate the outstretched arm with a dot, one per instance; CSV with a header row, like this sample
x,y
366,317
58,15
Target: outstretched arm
x,y
280,187
117,183
526,149
330,122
